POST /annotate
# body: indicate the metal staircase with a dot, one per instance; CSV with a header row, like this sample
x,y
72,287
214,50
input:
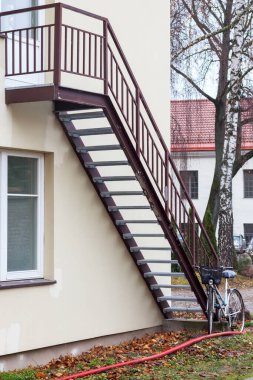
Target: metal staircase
x,y
119,144
110,171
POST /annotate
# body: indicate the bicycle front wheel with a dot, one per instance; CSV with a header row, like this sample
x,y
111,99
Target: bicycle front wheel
x,y
235,311
210,310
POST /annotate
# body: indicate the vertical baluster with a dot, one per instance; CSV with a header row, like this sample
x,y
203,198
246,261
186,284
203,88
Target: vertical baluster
x,y
95,57
101,58
42,48
89,54
6,55
166,180
34,50
49,48
137,115
84,52
13,53
78,51
27,52
20,52
193,246
72,50
65,47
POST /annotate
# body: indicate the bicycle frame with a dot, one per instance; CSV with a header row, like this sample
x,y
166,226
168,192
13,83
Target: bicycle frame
x,y
219,301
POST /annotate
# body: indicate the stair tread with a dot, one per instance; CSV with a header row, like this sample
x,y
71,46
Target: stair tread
x,y
95,148
117,208
138,248
106,163
90,132
169,274
170,286
113,193
145,221
130,236
177,298
156,261
81,115
114,178
186,309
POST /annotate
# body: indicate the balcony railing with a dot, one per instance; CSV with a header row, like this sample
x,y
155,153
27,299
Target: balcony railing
x,y
93,52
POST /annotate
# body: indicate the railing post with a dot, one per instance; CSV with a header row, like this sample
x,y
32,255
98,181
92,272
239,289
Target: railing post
x,y
137,121
105,33
57,43
166,182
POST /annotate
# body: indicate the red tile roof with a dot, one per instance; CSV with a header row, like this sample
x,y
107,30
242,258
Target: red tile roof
x,y
192,125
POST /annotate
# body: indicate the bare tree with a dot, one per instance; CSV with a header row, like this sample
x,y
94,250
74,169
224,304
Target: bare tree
x,y
212,56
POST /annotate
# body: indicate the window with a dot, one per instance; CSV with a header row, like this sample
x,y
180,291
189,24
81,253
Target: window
x,y
22,20
248,232
21,224
248,183
190,180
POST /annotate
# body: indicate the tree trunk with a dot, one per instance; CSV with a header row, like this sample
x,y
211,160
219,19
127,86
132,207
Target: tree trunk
x,y
225,240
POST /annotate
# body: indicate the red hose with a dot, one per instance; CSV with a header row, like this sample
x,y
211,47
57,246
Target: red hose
x,y
153,357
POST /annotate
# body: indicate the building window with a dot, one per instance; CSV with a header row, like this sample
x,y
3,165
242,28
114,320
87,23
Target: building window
x,y
248,183
248,232
190,180
21,224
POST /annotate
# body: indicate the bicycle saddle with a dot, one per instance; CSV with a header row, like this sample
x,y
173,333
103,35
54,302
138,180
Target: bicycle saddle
x,y
228,273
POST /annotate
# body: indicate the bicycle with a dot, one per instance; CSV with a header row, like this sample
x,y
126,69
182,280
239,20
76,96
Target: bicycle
x,y
229,308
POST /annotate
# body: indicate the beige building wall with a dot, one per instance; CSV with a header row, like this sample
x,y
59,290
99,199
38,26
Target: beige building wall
x,y
99,290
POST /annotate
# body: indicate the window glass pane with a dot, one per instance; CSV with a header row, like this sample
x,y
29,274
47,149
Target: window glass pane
x,y
22,236
22,175
248,183
190,180
22,20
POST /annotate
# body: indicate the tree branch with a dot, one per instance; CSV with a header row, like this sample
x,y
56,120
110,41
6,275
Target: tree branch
x,y
241,161
193,84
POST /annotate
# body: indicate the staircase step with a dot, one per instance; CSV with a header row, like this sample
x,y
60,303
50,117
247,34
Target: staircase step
x,y
131,236
167,274
98,148
122,222
117,208
91,132
82,115
137,249
183,309
115,178
106,194
156,261
105,163
176,298
169,286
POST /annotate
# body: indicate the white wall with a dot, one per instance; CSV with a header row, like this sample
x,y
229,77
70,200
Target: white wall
x,y
204,163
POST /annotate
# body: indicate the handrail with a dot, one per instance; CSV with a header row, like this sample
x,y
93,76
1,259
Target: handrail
x,y
159,164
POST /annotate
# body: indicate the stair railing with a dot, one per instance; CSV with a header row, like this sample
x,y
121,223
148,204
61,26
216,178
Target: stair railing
x,y
65,48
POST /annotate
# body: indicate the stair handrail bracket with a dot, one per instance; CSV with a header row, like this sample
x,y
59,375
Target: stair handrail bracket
x,y
53,47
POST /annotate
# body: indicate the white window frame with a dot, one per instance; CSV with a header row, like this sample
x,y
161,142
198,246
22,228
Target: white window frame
x,y
27,274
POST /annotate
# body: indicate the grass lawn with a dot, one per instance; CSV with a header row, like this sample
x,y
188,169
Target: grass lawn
x,y
229,358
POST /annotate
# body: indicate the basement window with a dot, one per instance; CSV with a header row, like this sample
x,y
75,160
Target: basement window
x,y
21,224
248,183
190,180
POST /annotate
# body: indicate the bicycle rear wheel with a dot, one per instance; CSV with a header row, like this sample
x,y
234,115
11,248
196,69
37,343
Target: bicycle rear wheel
x,y
210,310
235,311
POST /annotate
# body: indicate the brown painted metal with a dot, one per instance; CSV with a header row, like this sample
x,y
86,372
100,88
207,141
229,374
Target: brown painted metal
x,y
57,44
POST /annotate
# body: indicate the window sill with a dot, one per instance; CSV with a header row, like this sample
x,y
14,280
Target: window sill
x,y
25,283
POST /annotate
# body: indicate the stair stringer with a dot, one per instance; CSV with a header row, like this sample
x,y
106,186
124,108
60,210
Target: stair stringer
x,y
68,126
